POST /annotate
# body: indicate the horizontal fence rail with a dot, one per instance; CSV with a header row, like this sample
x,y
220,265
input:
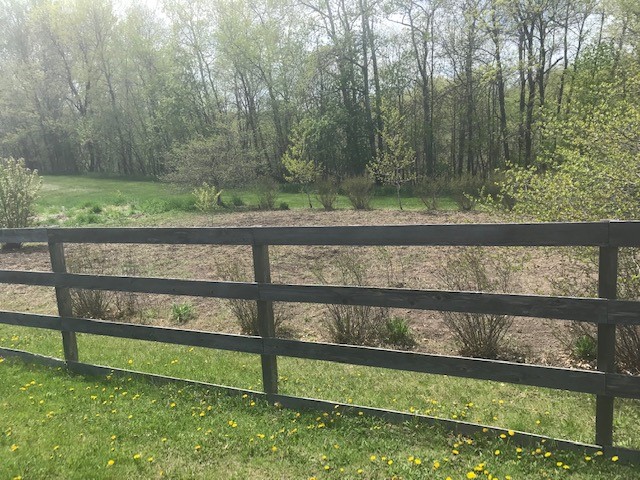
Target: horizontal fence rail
x,y
606,311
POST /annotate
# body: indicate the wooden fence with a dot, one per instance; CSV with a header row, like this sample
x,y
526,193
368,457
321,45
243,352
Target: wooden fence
x,y
606,311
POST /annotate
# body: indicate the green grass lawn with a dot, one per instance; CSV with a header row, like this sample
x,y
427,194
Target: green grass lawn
x,y
55,425
77,200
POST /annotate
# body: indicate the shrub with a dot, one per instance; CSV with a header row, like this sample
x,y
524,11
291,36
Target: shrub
x,y
207,197
398,333
19,189
327,193
359,191
182,312
353,324
246,311
101,304
237,201
283,206
477,334
466,191
585,348
267,189
430,189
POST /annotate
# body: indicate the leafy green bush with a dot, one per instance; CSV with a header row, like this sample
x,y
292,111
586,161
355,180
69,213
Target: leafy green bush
x,y
283,206
327,193
398,334
267,189
359,191
19,189
466,191
207,197
430,189
585,348
237,201
182,312
477,334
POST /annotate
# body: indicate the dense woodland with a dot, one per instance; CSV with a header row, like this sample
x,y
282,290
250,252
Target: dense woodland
x,y
224,88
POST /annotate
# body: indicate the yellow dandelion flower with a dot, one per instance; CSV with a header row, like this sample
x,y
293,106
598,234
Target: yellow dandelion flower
x,y
436,464
274,449
110,463
614,458
587,458
558,464
14,447
511,433
360,471
471,475
113,437
547,454
197,448
417,461
327,467
497,452
372,458
518,450
455,452
599,453
503,436
390,462
137,456
150,459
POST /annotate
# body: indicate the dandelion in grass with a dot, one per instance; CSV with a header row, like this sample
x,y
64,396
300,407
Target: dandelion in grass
x,y
110,463
197,448
14,447
471,475
614,458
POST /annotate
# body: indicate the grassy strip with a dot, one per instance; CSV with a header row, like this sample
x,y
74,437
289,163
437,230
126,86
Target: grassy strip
x,y
72,200
536,410
53,425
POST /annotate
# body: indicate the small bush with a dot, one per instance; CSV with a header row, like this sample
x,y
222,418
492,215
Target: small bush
x,y
101,304
246,311
353,324
207,198
398,333
466,191
430,189
237,201
19,189
267,189
327,193
478,335
283,206
182,312
359,191
585,348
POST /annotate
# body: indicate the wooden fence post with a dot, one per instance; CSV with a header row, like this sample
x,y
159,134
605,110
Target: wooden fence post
x,y
266,325
607,288
63,297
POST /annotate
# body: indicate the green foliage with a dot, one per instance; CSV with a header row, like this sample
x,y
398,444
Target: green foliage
x,y
396,165
466,190
478,335
585,348
283,206
327,193
19,189
237,201
359,191
207,197
183,312
430,189
267,189
299,167
398,334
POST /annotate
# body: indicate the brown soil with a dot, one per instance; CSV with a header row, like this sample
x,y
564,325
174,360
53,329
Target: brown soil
x,y
531,340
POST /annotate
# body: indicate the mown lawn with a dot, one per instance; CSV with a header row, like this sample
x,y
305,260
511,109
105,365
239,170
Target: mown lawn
x,y
78,200
55,425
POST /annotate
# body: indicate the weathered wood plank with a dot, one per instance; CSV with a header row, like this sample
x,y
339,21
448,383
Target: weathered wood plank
x,y
551,377
537,234
168,286
22,235
32,357
624,312
607,288
624,234
266,323
63,299
566,308
50,322
152,235
195,338
627,386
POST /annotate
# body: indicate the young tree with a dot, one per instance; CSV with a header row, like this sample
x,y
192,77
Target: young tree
x,y
396,165
299,167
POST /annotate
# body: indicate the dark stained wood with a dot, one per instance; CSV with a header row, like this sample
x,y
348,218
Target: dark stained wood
x,y
198,288
607,288
624,234
63,298
624,312
627,386
186,236
30,320
551,377
266,324
195,338
539,234
22,235
581,309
